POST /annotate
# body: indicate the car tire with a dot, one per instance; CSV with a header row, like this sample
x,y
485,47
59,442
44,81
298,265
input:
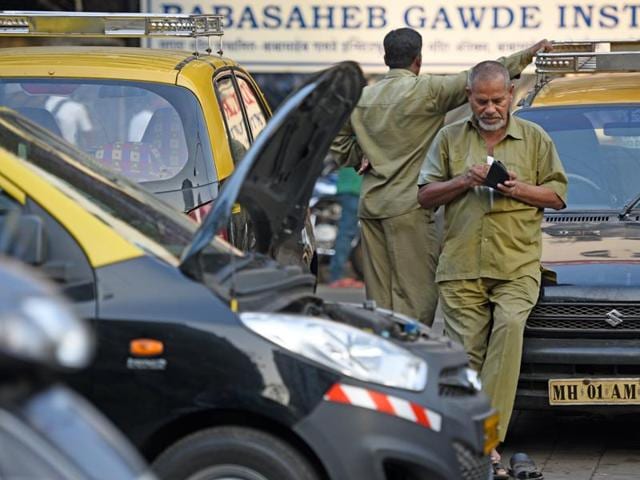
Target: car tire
x,y
232,453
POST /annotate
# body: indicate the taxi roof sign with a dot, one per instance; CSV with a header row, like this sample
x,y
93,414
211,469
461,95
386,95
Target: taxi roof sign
x,y
98,24
591,57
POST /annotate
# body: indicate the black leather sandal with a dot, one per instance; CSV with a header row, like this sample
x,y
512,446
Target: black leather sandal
x,y
523,468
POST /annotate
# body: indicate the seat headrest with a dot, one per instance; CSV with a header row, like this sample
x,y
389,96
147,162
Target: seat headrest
x,y
42,117
165,132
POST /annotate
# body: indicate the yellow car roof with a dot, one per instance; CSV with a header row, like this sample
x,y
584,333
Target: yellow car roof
x,y
590,89
131,63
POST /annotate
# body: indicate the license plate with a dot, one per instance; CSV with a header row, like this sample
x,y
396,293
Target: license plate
x,y
594,391
491,433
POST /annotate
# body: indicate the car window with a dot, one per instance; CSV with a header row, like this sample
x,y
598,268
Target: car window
x,y
137,129
124,206
255,113
7,203
239,140
599,146
60,256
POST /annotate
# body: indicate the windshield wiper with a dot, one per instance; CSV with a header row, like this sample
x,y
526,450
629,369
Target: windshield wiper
x,y
629,206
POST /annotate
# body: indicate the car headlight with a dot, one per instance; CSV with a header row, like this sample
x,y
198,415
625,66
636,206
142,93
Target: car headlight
x,y
348,350
43,330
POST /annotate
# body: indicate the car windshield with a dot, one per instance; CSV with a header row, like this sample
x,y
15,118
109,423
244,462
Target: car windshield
x,y
125,206
138,129
599,146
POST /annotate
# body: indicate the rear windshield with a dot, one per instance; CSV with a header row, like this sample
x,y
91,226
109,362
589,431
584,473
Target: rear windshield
x,y
144,131
599,146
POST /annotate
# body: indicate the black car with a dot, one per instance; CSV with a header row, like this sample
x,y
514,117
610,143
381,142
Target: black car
x,y
219,363
582,339
47,430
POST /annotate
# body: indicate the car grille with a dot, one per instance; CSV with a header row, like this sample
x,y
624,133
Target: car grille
x,y
581,317
534,377
580,321
472,466
581,218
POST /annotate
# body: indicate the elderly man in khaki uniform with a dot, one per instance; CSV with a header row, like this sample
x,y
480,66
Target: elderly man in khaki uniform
x,y
393,124
489,270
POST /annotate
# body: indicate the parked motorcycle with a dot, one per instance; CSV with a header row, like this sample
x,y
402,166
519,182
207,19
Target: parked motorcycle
x,y
325,216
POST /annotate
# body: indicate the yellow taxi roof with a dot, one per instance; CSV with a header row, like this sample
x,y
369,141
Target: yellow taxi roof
x,y
132,63
592,88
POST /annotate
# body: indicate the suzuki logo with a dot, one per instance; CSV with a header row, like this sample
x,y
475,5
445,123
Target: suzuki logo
x,y
614,318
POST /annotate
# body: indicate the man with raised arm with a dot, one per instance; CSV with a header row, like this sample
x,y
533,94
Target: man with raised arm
x,y
392,127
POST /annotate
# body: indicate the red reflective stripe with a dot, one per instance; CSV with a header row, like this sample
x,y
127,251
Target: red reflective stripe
x,y
200,212
336,394
194,215
421,416
382,402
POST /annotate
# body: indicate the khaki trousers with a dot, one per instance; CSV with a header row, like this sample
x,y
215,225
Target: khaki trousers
x,y
493,342
400,259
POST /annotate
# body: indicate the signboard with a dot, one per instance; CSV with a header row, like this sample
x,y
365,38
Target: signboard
x,y
307,35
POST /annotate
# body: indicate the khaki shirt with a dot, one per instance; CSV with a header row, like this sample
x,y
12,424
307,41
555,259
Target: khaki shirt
x,y
487,234
394,123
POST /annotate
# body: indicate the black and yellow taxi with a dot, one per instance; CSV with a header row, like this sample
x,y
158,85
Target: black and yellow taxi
x,y
177,122
582,340
222,364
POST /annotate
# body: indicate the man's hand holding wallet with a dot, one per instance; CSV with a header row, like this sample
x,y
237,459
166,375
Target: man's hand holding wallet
x,y
500,179
497,174
491,174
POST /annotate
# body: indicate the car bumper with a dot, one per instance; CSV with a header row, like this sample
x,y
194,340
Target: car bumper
x,y
544,359
357,443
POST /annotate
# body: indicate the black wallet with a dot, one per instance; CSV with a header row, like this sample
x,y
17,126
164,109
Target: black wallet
x,y
497,174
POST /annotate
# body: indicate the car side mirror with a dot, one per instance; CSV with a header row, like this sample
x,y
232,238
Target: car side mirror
x,y
23,237
39,329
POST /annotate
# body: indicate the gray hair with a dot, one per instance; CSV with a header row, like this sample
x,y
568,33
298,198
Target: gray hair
x,y
488,70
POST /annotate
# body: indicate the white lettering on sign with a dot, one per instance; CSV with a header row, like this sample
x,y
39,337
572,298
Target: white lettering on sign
x,y
297,36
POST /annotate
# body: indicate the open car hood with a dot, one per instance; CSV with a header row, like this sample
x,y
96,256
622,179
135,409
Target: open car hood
x,y
274,180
